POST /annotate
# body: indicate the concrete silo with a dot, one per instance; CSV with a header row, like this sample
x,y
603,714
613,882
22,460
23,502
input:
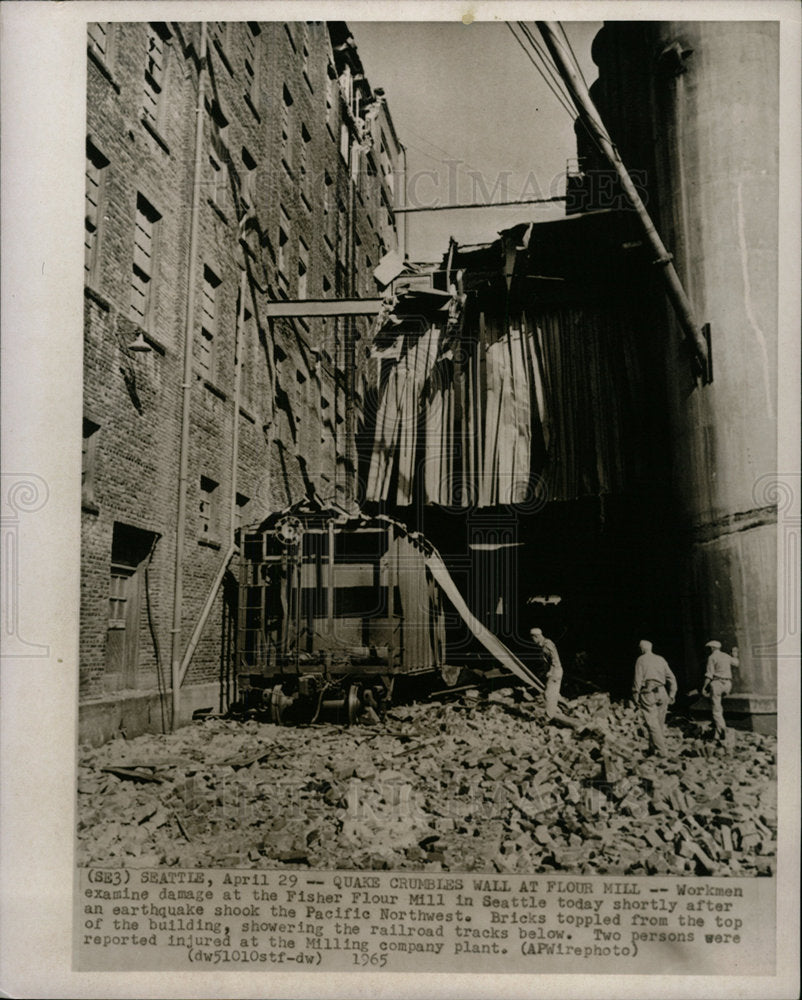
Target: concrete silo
x,y
694,108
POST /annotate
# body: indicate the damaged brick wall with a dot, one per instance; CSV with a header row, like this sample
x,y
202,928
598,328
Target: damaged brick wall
x,y
276,179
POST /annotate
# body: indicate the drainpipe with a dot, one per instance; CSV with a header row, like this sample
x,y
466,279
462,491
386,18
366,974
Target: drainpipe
x,y
186,385
243,288
401,195
350,323
592,120
192,645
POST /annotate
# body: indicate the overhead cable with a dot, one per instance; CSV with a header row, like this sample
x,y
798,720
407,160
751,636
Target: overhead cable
x,y
553,72
547,65
571,114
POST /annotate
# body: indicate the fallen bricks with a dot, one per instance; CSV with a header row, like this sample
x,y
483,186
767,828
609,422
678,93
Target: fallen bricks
x,y
475,784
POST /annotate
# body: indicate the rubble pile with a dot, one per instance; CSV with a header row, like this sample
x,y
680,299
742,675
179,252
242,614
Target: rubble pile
x,y
476,784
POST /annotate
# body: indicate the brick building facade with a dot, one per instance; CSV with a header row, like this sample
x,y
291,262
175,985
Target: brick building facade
x,y
285,191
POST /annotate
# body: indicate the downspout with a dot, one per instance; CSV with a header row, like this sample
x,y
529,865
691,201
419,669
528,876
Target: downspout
x,y
186,385
592,121
243,288
401,195
350,324
232,544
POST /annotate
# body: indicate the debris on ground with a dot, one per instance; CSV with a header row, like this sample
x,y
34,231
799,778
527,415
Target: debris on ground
x,y
478,783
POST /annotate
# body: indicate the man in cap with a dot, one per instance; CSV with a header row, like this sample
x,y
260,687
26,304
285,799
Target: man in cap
x,y
554,674
654,689
718,683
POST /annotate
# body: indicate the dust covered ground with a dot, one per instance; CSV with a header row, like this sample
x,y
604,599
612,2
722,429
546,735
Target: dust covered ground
x,y
476,783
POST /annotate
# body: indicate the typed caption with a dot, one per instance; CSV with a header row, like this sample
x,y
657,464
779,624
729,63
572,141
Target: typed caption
x,y
168,919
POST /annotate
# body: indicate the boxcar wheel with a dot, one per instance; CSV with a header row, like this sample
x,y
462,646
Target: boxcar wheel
x,y
278,702
353,704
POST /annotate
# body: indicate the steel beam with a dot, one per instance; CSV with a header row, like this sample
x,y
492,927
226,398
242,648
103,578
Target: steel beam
x,y
324,307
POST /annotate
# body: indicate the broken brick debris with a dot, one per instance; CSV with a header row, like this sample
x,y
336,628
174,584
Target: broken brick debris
x,y
481,783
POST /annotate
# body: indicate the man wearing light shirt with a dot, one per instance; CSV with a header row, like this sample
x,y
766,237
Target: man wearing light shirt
x,y
554,674
718,683
654,689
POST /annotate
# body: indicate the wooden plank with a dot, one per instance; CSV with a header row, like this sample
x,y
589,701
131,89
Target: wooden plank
x,y
506,423
394,415
490,415
523,453
480,406
491,643
492,422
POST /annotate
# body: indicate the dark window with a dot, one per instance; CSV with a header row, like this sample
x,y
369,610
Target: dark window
x,y
286,128
209,510
89,462
306,139
94,208
155,60
205,345
101,41
130,552
342,226
303,269
221,39
242,511
143,272
248,186
218,157
283,240
252,53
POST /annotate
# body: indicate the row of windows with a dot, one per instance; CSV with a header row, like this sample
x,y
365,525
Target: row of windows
x,y
144,268
101,41
294,142
210,521
155,88
148,218
223,39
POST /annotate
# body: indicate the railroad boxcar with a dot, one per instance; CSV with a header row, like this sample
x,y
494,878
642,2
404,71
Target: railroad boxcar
x,y
332,610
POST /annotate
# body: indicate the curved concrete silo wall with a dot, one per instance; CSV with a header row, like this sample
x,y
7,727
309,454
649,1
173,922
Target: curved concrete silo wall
x,y
709,94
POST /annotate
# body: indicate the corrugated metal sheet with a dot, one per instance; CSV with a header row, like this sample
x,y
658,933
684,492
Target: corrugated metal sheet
x,y
552,393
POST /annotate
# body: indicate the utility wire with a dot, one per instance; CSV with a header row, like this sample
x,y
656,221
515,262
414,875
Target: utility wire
x,y
596,121
481,204
573,111
547,66
547,60
573,54
473,170
451,157
436,159
531,59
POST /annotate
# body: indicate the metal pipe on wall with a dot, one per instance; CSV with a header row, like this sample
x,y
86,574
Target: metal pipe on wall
x,y
350,322
237,390
402,195
232,546
186,386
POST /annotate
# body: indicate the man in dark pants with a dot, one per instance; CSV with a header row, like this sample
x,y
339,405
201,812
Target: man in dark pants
x,y
654,689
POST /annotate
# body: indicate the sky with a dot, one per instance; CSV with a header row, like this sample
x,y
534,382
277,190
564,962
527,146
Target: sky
x,y
478,121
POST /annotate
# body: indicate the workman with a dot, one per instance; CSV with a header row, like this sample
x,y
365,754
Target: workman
x,y
654,689
554,673
718,683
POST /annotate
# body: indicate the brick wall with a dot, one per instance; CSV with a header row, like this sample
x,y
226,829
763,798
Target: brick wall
x,y
272,175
